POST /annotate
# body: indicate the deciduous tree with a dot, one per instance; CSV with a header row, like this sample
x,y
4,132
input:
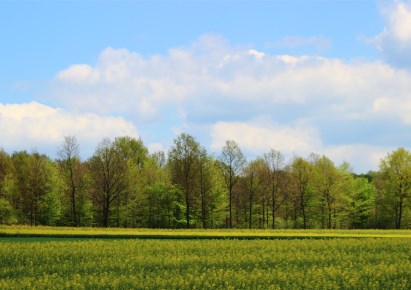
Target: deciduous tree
x,y
277,179
396,170
183,159
108,171
232,162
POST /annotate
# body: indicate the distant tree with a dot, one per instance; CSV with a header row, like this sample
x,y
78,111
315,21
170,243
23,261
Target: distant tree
x,y
232,162
131,149
35,182
215,194
6,168
363,195
159,197
160,159
135,155
301,171
210,188
383,208
276,180
7,214
72,174
205,184
326,179
396,171
253,179
123,185
183,160
108,171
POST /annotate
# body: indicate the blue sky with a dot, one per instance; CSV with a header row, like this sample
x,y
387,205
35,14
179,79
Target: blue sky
x,y
331,77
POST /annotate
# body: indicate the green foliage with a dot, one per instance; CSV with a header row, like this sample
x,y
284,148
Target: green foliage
x,y
183,161
110,182
6,169
396,182
302,172
6,212
50,209
122,185
232,161
131,149
363,200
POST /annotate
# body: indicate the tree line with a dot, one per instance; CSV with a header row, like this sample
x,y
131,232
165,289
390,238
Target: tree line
x,y
122,185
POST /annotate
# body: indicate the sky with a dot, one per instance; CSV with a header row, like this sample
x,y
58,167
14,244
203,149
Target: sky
x,y
300,77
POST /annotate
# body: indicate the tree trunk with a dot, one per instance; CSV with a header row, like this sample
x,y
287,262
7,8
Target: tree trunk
x,y
329,214
273,209
251,211
118,210
231,200
203,213
73,195
73,203
187,209
264,214
398,224
303,211
106,211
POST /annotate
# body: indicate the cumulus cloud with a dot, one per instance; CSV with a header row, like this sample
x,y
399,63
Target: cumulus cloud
x,y
362,157
79,73
124,81
41,126
212,83
394,42
258,137
211,77
263,134
401,107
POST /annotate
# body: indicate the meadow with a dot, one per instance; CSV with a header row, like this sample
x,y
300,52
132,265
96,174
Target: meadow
x,y
86,258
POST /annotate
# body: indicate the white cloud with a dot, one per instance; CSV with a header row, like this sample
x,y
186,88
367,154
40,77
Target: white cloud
x,y
121,82
155,147
210,75
256,54
362,157
79,73
212,83
401,107
34,124
395,40
261,135
399,21
258,137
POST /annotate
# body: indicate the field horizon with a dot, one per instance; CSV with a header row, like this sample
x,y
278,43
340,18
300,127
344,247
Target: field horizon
x,y
147,233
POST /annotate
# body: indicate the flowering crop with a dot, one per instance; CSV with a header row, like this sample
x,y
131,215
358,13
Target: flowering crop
x,y
367,263
26,231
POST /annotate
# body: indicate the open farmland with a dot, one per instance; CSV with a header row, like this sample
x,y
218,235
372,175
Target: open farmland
x,y
63,258
118,233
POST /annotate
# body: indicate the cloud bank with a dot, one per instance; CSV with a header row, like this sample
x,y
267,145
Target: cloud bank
x,y
394,42
256,98
43,127
353,111
212,77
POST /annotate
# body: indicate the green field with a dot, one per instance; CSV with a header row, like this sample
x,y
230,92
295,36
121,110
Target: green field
x,y
49,258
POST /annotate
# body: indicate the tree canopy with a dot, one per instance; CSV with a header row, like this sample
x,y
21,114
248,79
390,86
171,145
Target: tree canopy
x,y
123,185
